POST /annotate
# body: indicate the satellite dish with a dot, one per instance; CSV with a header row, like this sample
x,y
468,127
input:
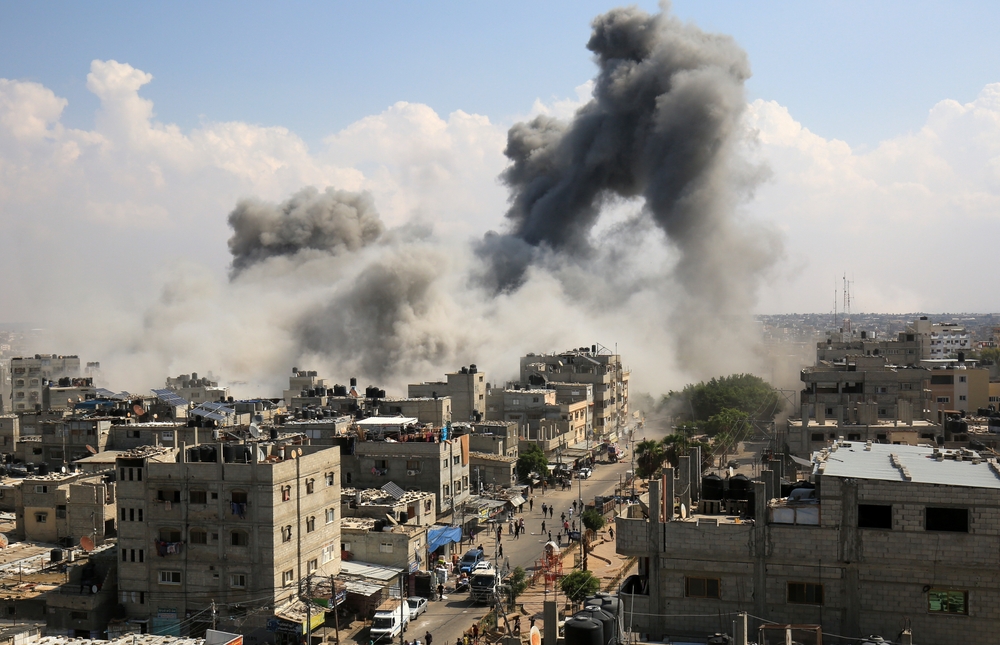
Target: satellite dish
x,y
684,511
86,544
63,470
91,450
254,431
534,637
93,589
139,410
3,541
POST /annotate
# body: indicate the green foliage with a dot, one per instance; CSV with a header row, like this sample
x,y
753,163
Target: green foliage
x,y
593,520
518,582
990,355
649,458
728,421
744,392
580,584
530,460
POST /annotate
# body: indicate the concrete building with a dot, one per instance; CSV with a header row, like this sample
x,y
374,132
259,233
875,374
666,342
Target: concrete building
x,y
83,606
59,508
594,365
466,388
805,436
960,387
492,437
940,340
241,525
197,389
906,349
435,411
66,392
64,441
890,534
540,419
399,450
491,471
416,506
29,375
863,389
10,433
303,381
374,541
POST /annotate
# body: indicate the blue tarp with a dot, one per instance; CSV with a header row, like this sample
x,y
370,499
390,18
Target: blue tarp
x,y
439,537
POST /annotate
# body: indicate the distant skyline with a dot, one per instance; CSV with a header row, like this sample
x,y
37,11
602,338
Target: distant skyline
x,y
129,132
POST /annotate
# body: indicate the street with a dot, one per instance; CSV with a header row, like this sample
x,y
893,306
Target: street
x,y
448,619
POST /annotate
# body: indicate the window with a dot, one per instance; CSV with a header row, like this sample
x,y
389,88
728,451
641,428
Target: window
x,y
133,555
385,547
961,379
381,464
313,565
310,524
427,505
170,577
816,436
331,515
330,551
199,497
447,490
41,518
238,580
78,615
287,577
455,460
237,497
413,464
286,493
170,535
310,486
329,478
701,587
853,436
961,397
199,536
167,495
286,533
239,538
946,601
805,593
41,489
60,512
955,520
874,516
944,399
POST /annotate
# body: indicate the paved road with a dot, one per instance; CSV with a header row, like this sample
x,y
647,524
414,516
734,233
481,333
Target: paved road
x,y
448,619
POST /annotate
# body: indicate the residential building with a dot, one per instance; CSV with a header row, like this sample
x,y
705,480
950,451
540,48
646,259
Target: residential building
x,y
241,525
413,456
492,471
29,375
435,411
364,539
300,383
197,389
960,387
413,507
466,388
540,419
940,340
492,437
887,535
10,432
85,603
61,508
64,441
906,349
66,392
594,365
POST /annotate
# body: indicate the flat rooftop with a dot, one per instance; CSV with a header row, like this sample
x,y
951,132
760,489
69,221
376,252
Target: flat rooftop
x,y
916,464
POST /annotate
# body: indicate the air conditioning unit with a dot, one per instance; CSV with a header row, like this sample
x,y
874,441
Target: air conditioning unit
x,y
411,472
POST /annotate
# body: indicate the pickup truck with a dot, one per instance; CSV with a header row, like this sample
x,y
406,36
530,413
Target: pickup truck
x,y
471,558
389,621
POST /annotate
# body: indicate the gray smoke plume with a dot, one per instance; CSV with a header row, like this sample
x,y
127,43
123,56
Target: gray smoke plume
x,y
332,221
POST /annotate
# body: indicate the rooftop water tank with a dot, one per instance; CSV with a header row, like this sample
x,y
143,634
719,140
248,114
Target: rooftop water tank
x,y
581,630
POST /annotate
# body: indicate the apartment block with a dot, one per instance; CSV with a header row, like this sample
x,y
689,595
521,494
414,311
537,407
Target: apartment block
x,y
197,389
940,340
492,437
594,365
491,471
960,387
413,456
64,441
29,375
243,525
466,388
881,536
413,507
435,411
10,432
376,542
61,508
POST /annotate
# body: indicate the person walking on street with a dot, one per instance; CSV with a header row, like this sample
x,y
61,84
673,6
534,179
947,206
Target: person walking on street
x,y
562,517
543,526
531,504
571,512
499,550
517,624
545,508
440,591
611,533
550,536
475,633
427,638
552,510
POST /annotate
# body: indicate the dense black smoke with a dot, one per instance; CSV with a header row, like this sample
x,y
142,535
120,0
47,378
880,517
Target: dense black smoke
x,y
331,221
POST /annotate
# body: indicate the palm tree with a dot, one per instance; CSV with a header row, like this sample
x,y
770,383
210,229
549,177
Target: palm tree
x,y
649,457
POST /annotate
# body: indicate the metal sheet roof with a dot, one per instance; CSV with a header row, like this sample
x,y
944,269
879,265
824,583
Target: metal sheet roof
x,y
851,459
387,421
369,570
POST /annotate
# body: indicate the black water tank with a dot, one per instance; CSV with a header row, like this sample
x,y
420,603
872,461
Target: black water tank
x,y
581,630
43,469
712,487
786,488
609,602
194,455
30,468
273,433
56,555
739,487
208,454
607,621
354,381
404,517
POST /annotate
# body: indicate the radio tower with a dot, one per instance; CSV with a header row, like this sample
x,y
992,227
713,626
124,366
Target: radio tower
x,y
847,306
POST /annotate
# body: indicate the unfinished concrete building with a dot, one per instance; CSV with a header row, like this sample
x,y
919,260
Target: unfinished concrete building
x,y
61,508
466,388
883,534
236,524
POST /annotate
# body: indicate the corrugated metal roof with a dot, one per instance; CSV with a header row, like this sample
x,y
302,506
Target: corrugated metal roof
x,y
369,570
913,463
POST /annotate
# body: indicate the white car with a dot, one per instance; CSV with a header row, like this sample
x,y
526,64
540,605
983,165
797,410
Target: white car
x,y
417,606
584,473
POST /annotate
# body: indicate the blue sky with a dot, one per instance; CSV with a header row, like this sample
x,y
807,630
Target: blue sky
x,y
857,71
129,131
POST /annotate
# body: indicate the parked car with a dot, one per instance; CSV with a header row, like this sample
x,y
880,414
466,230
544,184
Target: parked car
x,y
584,473
417,605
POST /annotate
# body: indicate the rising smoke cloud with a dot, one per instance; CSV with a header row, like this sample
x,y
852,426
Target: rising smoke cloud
x,y
333,221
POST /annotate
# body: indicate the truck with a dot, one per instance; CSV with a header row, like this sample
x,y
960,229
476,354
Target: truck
x,y
391,618
483,583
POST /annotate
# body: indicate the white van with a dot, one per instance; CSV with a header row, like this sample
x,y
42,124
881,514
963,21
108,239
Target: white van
x,y
389,621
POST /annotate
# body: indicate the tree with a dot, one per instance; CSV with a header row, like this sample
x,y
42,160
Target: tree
x,y
744,392
532,460
518,582
593,520
649,458
579,585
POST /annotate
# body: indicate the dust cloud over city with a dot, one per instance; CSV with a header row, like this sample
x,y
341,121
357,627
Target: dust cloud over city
x,y
624,228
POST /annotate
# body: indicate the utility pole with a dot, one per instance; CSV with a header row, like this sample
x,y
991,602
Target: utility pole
x,y
309,622
336,612
213,613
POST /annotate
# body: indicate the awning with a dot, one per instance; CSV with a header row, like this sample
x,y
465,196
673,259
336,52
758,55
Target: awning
x,y
516,500
801,462
369,570
438,537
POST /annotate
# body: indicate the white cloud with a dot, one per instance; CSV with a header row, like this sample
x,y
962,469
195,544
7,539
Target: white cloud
x,y
906,220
